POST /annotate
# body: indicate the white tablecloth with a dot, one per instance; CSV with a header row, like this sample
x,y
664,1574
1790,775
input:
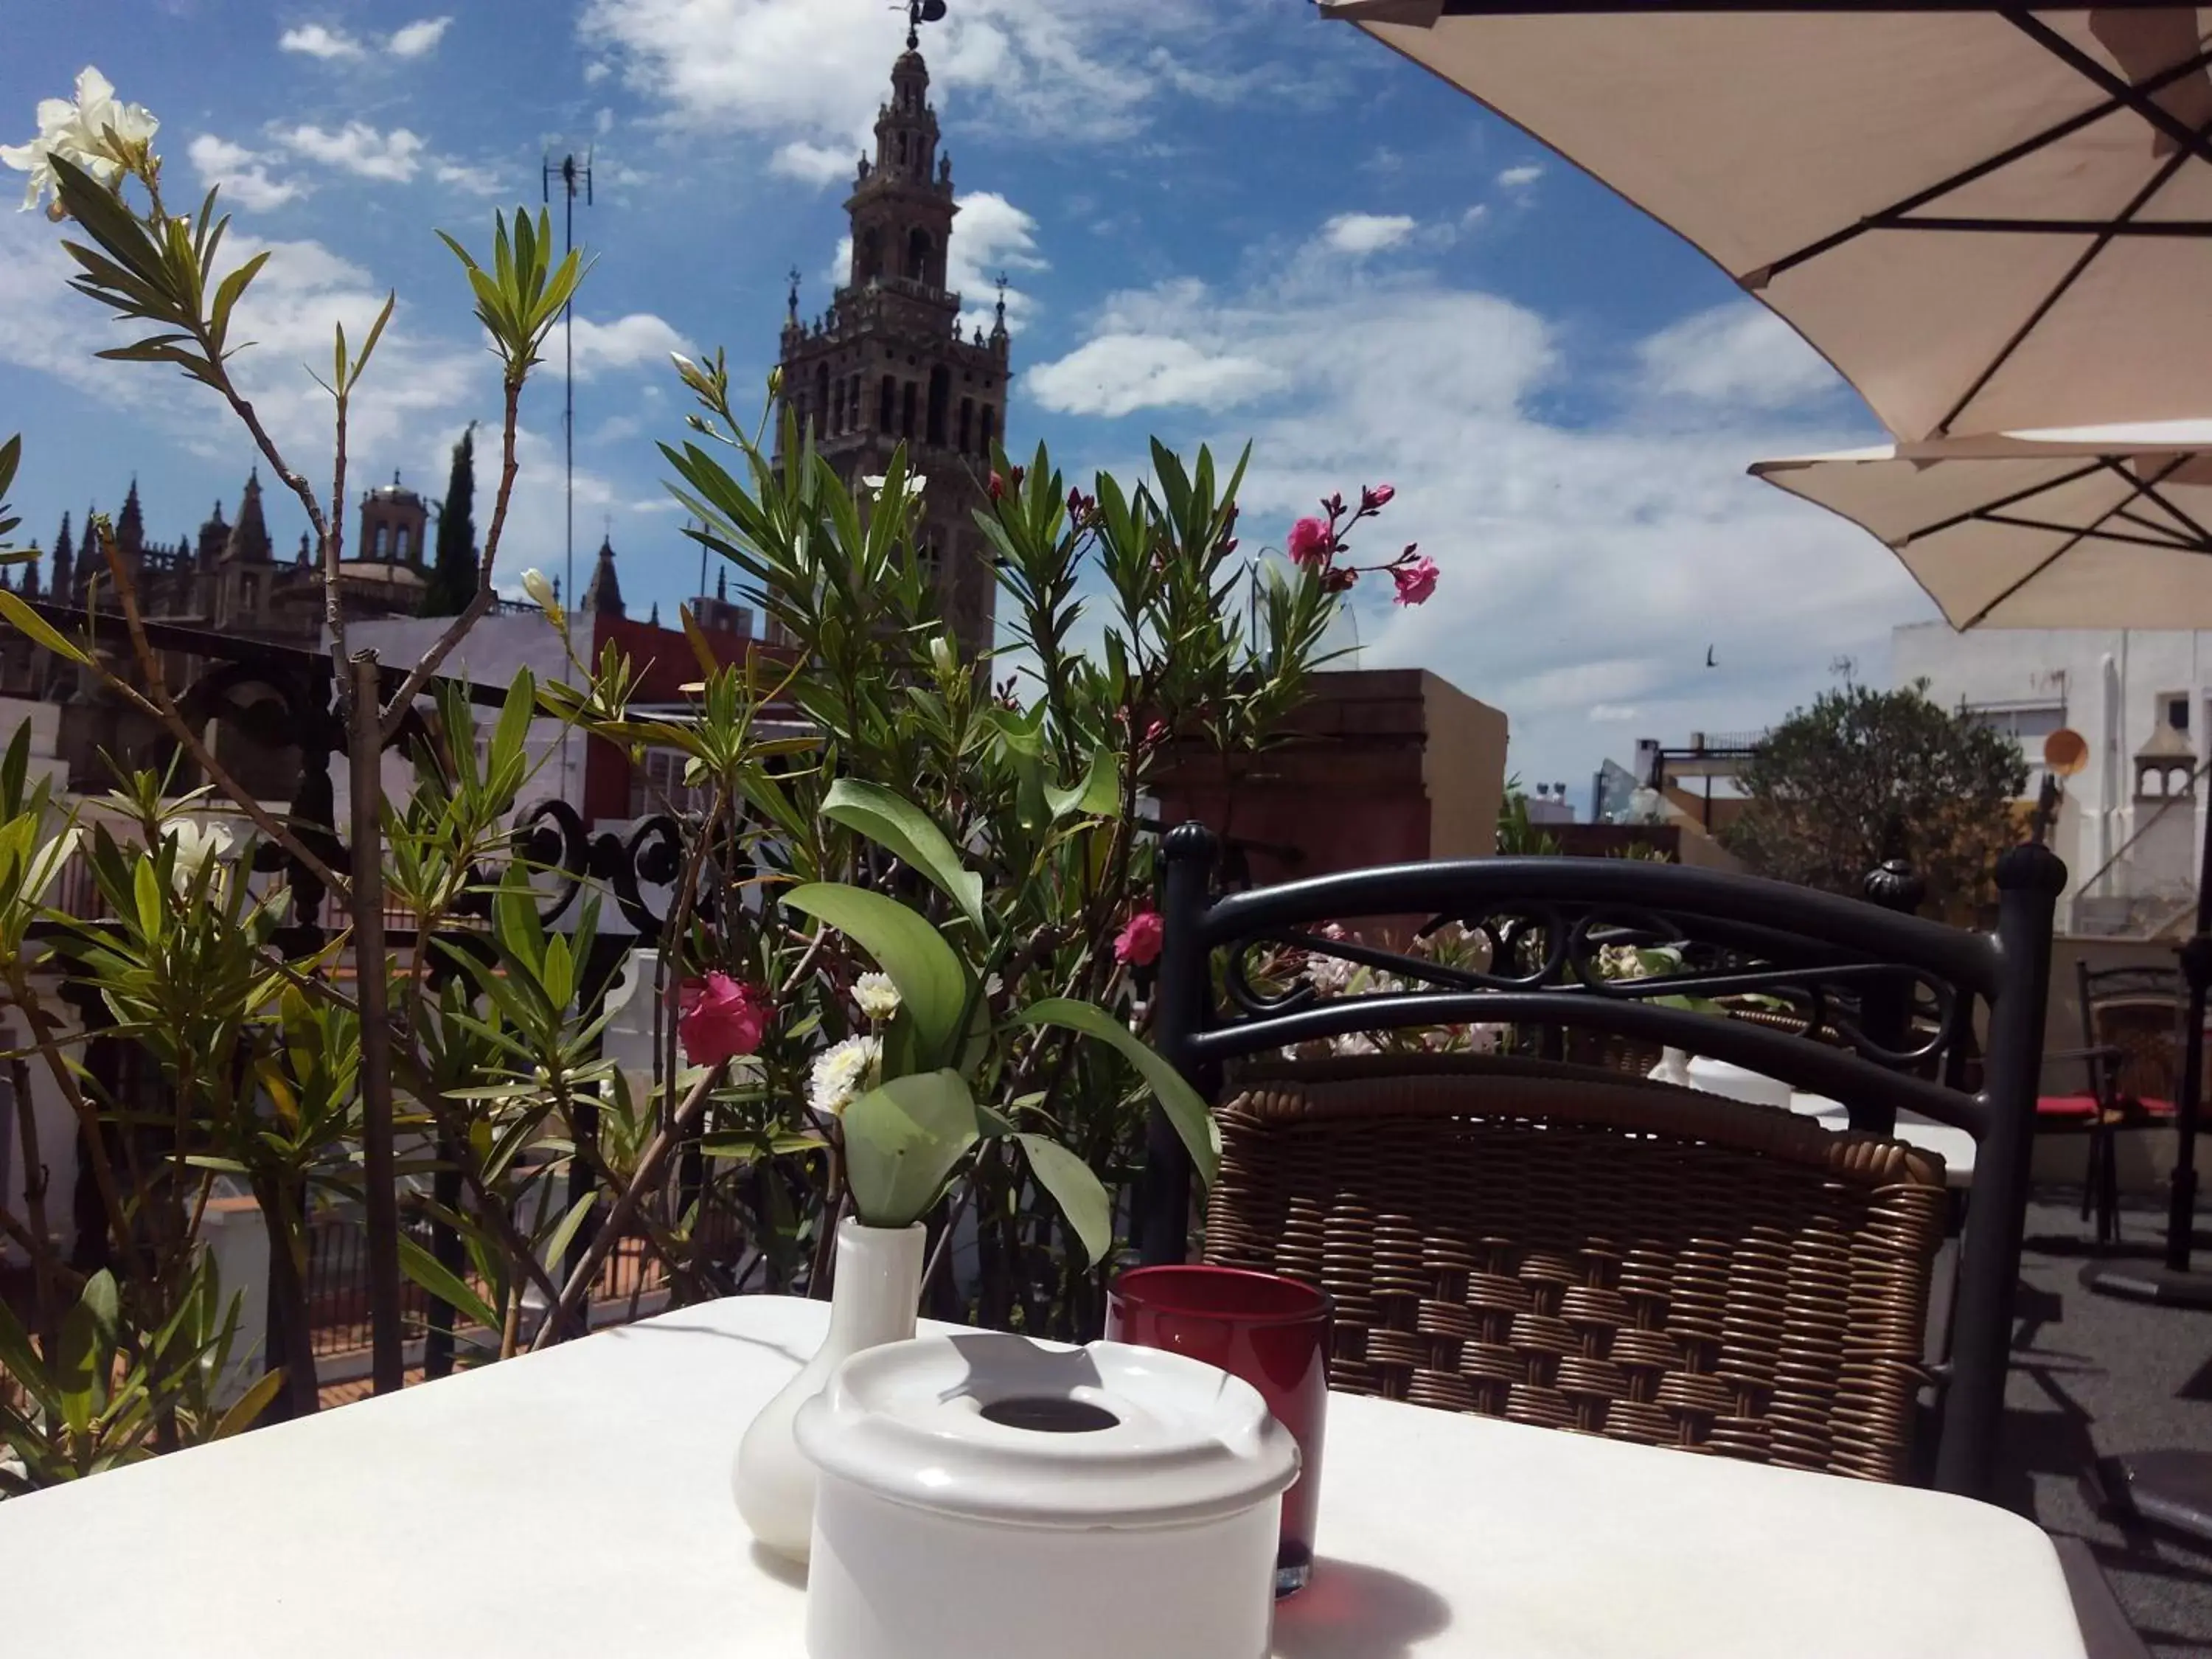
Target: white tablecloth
x,y
577,1503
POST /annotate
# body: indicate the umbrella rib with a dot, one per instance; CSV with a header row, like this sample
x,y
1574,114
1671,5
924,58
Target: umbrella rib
x,y
2088,470
2136,487
2137,97
2190,227
2174,537
2187,521
1884,218
2094,532
2158,181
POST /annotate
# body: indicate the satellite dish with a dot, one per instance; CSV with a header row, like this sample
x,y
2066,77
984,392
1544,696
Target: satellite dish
x,y
2065,752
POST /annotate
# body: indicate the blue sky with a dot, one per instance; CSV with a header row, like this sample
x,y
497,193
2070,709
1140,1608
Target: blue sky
x,y
1222,220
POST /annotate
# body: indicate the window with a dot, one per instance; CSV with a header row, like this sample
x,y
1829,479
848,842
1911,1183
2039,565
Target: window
x,y
837,408
906,411
872,254
821,392
376,546
940,393
399,542
2176,711
967,422
658,786
990,428
883,405
917,255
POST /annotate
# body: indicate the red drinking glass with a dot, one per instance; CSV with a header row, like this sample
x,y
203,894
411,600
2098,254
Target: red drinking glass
x,y
1271,1332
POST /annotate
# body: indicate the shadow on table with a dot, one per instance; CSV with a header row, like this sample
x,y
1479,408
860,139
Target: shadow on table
x,y
667,1325
769,1565
1355,1612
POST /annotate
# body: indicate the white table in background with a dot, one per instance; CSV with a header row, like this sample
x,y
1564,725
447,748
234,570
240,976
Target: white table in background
x,y
1954,1146
577,1503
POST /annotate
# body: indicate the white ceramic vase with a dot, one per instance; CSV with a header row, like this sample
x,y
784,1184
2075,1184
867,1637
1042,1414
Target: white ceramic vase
x,y
873,1301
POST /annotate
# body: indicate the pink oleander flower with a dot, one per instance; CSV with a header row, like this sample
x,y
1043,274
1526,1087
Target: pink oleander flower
x,y
1375,497
1156,733
1137,944
1310,543
996,486
1416,581
721,1017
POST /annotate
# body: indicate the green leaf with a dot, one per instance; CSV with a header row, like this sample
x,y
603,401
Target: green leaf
x,y
426,1270
1200,1135
1099,794
1081,1199
249,1405
933,986
901,1142
902,828
27,622
556,1243
77,1377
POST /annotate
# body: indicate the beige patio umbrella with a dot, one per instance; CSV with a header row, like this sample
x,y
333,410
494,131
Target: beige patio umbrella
x,y
1986,218
2106,527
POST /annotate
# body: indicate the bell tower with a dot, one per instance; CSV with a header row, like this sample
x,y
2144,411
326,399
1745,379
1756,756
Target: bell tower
x,y
886,364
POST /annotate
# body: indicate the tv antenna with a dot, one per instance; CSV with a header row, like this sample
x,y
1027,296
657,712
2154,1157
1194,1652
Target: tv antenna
x,y
572,173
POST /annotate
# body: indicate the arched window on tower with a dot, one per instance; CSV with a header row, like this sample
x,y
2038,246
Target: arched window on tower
x,y
941,397
990,428
901,149
377,547
906,411
917,255
883,405
399,542
853,402
872,254
967,423
821,397
837,407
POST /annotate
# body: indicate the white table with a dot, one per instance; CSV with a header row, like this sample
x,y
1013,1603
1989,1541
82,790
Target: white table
x,y
577,1503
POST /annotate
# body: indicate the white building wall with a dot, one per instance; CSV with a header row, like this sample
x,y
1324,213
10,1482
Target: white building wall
x,y
491,653
2112,687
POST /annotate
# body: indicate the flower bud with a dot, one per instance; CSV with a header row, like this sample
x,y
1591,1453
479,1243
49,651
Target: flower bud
x,y
1375,497
536,584
775,381
996,486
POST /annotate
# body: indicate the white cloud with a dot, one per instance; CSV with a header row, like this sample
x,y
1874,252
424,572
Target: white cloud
x,y
1519,177
417,379
314,40
1120,374
418,39
242,173
472,180
604,122
812,164
813,71
640,338
991,236
1359,234
359,148
1738,353
1585,567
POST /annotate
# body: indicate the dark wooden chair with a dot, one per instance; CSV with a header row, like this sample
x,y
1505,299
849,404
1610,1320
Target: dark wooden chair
x,y
1564,1246
2131,1030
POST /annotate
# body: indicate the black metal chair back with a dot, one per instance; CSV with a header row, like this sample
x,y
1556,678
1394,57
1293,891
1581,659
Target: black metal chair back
x,y
1902,993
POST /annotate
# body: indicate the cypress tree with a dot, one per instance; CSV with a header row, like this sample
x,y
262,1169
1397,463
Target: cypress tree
x,y
454,573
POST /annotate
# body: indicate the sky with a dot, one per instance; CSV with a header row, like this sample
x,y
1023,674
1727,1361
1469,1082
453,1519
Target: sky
x,y
1222,221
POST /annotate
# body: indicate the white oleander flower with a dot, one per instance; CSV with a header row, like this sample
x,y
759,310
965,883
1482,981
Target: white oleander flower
x,y
878,996
915,483
841,1072
198,842
91,131
536,584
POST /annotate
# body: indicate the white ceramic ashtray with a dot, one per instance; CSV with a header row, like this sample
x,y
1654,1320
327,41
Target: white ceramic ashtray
x,y
989,1497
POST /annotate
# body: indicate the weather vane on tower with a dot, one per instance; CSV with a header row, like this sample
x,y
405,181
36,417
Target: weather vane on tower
x,y
919,12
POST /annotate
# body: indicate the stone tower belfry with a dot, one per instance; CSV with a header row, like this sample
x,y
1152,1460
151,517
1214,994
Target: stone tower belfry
x,y
887,364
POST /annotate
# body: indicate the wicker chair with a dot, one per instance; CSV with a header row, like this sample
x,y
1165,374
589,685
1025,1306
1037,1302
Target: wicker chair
x,y
1622,1258
1571,1247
